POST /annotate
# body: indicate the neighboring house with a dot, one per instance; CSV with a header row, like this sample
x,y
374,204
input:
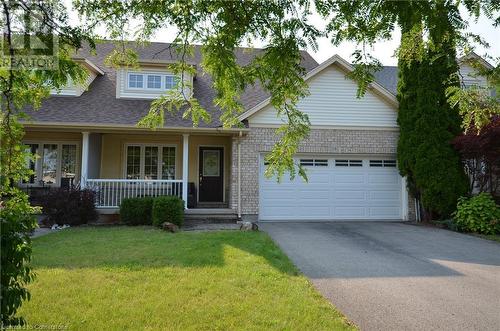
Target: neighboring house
x,y
88,135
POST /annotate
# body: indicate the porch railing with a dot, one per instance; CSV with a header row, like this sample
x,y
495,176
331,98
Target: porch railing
x,y
111,192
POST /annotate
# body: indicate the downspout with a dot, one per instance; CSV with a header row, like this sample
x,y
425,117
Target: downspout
x,y
239,176
417,210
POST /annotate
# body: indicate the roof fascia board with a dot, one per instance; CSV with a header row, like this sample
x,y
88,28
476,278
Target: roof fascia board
x,y
89,64
122,127
467,57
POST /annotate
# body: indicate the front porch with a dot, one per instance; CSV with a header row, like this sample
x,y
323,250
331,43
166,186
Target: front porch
x,y
194,166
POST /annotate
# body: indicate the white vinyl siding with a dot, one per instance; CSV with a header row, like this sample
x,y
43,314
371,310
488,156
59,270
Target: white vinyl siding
x,y
332,102
155,82
469,78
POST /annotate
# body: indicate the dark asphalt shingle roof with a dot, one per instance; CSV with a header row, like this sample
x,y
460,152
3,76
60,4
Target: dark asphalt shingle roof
x,y
388,78
99,103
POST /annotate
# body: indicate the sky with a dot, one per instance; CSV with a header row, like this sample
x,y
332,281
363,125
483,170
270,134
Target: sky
x,y
383,50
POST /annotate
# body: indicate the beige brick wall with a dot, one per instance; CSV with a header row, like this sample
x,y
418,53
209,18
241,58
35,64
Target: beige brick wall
x,y
320,141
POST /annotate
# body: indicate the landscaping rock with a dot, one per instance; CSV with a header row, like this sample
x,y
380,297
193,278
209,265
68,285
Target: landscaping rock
x,y
167,226
249,226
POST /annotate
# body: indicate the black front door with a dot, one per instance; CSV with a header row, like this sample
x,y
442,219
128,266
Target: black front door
x,y
211,182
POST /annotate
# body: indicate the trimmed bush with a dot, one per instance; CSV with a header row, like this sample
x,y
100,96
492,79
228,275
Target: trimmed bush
x,y
69,206
479,214
168,209
136,211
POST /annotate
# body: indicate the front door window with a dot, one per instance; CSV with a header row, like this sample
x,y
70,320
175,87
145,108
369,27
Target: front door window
x,y
211,167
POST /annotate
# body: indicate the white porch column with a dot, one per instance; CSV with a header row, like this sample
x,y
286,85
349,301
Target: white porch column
x,y
185,164
85,159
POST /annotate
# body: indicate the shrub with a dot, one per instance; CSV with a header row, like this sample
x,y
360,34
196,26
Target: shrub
x,y
168,209
136,211
71,206
480,157
478,214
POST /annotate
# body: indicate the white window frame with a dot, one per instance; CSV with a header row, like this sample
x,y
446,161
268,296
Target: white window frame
x,y
164,81
345,163
315,162
154,88
39,161
145,75
143,158
382,163
135,74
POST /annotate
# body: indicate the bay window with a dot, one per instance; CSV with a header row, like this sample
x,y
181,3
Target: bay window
x,y
150,161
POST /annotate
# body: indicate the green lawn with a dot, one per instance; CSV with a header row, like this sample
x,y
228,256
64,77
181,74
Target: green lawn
x,y
494,237
126,278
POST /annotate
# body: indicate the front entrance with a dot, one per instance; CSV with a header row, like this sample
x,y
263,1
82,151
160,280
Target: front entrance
x,y
211,174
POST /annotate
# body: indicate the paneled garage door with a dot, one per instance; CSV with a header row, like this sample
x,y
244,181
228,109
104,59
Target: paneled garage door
x,y
339,188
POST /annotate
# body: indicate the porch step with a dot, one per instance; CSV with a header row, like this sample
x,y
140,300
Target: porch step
x,y
205,216
211,205
210,211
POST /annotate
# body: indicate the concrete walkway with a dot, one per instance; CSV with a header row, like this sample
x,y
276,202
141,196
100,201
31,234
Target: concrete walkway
x,y
394,276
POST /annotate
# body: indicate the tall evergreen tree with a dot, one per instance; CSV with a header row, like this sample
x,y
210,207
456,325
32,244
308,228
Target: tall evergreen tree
x,y
427,122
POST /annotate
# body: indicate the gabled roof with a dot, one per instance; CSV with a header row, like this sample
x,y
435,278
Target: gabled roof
x,y
474,56
99,103
343,64
89,65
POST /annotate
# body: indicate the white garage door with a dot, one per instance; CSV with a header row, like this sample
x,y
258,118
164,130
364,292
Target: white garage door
x,y
339,188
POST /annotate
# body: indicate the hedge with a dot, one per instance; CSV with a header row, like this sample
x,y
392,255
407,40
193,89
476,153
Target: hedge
x,y
168,209
136,211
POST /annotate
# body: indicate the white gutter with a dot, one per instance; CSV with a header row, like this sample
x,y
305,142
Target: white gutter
x,y
109,127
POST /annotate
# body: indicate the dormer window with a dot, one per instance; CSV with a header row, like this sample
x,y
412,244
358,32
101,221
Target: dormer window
x,y
154,81
150,83
135,81
146,81
170,82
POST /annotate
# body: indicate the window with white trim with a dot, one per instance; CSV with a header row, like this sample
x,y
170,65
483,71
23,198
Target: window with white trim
x,y
171,82
151,81
154,81
54,163
314,162
348,163
135,81
383,163
150,161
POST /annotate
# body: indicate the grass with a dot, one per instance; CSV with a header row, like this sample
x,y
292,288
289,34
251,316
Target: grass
x,y
494,237
138,278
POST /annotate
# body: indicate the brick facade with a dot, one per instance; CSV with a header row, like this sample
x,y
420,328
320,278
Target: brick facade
x,y
320,141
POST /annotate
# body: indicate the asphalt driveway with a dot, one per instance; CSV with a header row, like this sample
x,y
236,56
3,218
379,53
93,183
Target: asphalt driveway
x,y
395,276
